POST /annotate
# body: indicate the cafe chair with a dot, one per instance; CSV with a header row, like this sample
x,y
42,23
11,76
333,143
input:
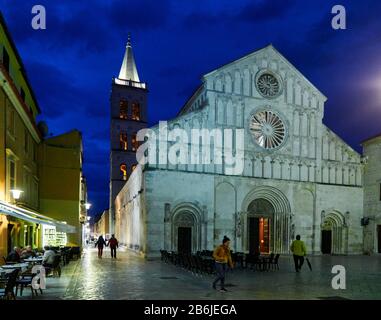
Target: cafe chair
x,y
275,262
8,292
8,262
26,281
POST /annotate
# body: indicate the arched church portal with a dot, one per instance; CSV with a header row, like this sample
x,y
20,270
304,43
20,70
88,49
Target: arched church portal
x,y
260,222
266,219
186,230
334,234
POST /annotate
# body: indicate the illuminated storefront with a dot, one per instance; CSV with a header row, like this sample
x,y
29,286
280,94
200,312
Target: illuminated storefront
x,y
25,227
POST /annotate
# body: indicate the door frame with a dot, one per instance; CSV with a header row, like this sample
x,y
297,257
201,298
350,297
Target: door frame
x,y
331,240
189,240
258,217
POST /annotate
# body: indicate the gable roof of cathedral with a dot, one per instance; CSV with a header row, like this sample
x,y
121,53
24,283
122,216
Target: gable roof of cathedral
x,y
268,47
128,69
194,95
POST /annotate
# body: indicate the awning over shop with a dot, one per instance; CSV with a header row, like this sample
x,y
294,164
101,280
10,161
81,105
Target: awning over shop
x,y
31,216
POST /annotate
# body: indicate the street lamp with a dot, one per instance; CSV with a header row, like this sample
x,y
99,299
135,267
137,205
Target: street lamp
x,y
16,193
88,218
87,205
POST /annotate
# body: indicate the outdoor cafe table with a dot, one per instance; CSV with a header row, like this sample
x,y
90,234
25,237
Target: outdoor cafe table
x,y
8,268
36,260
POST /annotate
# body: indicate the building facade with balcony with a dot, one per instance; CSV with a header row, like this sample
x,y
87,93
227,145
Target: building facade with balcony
x,y
25,220
19,140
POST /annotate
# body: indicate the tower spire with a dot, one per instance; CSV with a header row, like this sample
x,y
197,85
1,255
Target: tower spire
x,y
128,70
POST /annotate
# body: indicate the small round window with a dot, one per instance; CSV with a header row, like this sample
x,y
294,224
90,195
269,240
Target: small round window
x,y
268,85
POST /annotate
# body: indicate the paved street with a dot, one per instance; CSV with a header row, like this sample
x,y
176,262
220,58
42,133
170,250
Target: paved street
x,y
131,277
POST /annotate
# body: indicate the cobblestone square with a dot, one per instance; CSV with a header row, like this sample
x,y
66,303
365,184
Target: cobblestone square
x,y
131,277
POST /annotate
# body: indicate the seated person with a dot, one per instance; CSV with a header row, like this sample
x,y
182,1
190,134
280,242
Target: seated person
x,y
27,253
48,258
14,255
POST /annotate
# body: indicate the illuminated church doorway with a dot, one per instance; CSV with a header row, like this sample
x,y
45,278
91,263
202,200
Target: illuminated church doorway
x,y
260,217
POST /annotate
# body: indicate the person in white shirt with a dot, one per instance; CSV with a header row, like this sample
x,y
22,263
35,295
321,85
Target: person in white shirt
x,y
48,258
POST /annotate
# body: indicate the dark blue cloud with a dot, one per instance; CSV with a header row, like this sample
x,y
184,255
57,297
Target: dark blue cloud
x,y
263,10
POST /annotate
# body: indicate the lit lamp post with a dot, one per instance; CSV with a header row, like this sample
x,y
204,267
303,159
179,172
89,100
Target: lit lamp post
x,y
16,194
87,224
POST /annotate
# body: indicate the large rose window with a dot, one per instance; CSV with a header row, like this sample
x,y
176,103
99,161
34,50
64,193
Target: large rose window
x,y
267,129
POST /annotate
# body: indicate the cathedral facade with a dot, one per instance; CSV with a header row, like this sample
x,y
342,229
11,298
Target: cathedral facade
x,y
298,176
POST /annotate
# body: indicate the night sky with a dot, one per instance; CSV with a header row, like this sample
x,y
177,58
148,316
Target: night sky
x,y
71,63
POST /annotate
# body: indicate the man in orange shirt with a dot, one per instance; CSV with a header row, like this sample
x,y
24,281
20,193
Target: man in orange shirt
x,y
222,258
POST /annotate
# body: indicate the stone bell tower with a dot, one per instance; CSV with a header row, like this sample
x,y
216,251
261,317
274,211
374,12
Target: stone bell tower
x,y
128,103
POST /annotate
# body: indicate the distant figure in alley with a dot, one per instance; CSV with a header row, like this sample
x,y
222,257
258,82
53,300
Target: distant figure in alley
x,y
100,244
113,243
222,259
298,249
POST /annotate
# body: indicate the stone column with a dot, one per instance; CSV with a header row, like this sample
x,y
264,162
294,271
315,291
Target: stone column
x,y
273,244
167,226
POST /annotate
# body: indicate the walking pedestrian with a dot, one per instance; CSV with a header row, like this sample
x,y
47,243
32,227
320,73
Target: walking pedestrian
x,y
100,243
222,257
298,249
113,243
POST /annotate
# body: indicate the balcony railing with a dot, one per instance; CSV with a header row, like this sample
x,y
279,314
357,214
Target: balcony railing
x,y
130,83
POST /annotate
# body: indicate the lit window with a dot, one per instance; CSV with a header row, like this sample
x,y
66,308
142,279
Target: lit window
x,y
123,141
135,111
123,109
135,143
123,171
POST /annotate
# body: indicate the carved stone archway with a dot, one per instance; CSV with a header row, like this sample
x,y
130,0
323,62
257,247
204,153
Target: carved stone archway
x,y
186,215
271,202
335,222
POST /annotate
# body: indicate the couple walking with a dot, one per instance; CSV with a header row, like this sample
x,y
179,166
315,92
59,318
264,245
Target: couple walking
x,y
113,243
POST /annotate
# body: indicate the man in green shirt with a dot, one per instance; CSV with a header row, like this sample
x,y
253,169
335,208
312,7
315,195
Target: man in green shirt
x,y
298,248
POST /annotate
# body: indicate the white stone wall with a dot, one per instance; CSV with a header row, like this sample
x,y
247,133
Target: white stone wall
x,y
222,202
346,202
176,188
372,201
130,213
